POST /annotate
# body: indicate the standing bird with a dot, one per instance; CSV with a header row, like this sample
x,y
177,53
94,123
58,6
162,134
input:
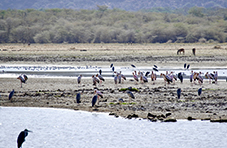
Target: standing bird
x,y
79,79
133,65
111,65
147,73
21,137
112,68
155,66
178,93
199,91
78,96
185,66
22,79
100,72
130,94
11,95
155,69
100,78
135,76
94,100
180,76
98,93
188,66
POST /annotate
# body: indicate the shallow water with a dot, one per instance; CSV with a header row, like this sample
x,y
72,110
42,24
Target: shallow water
x,y
48,71
58,128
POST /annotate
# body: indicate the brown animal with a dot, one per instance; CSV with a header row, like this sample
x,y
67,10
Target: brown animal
x,y
193,51
181,50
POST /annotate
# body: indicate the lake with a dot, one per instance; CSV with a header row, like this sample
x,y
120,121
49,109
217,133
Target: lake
x,y
64,128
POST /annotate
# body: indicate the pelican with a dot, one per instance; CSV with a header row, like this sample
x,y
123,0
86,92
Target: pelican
x,y
23,79
21,137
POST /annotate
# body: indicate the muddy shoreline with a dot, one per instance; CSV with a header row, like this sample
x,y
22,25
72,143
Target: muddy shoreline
x,y
156,102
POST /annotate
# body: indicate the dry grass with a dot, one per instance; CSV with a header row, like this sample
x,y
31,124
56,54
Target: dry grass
x,y
112,49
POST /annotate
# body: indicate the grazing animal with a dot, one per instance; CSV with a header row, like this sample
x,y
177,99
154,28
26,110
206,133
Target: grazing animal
x,y
22,79
193,51
178,93
21,137
179,51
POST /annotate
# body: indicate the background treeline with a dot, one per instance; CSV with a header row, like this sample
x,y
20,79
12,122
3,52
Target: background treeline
x,y
105,25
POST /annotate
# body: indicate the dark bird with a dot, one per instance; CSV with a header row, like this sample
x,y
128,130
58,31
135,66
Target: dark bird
x,y
199,91
78,98
178,93
147,73
21,137
180,76
79,79
112,68
155,69
94,100
130,94
188,66
22,79
100,72
120,100
185,65
133,65
111,65
155,66
11,95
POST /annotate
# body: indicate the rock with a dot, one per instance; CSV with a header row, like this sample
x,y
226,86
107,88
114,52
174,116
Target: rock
x,y
218,120
190,118
170,120
151,115
168,114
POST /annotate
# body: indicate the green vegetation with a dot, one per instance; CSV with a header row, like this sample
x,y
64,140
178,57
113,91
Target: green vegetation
x,y
131,89
112,26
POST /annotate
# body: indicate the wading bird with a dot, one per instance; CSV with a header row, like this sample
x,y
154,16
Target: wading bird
x,y
94,100
133,65
21,137
178,93
11,95
79,79
100,78
180,76
78,96
22,79
130,94
199,91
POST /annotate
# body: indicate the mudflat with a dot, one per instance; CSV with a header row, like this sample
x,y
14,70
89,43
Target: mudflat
x,y
154,101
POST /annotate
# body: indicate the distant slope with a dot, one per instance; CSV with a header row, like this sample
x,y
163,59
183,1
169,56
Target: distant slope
x,y
129,5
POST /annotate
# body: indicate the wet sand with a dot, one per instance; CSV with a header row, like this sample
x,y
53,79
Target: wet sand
x,y
152,101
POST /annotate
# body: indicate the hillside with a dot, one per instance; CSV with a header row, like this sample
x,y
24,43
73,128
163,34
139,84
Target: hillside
x,y
129,5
